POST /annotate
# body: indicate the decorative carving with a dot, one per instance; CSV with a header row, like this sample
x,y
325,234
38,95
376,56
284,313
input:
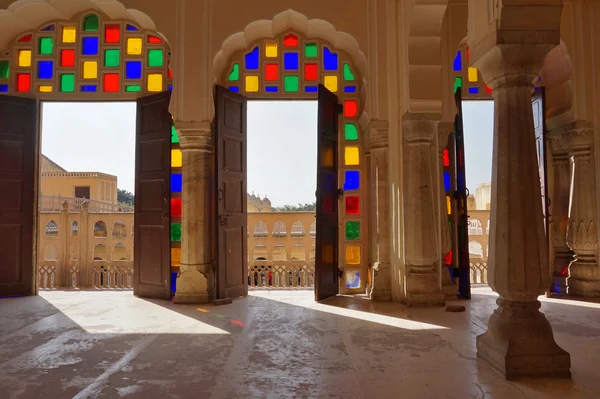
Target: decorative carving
x,y
377,132
445,128
195,135
582,237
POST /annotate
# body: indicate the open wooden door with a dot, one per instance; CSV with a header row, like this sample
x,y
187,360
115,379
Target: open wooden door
x,y
327,245
152,264
18,151
232,219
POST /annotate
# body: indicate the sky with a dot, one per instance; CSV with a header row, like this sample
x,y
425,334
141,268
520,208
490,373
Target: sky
x,y
282,144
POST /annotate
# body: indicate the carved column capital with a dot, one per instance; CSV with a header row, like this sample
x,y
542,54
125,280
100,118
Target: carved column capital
x,y
377,132
445,128
195,135
419,129
579,136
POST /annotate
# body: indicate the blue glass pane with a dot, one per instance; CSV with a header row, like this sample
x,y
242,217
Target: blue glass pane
x,y
330,60
133,69
3,88
88,88
90,46
48,28
271,89
234,89
473,90
457,62
170,87
352,180
131,27
290,61
252,59
447,181
176,182
311,89
173,282
45,69
350,89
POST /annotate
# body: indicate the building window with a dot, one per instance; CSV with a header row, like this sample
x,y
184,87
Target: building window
x,y
51,229
100,229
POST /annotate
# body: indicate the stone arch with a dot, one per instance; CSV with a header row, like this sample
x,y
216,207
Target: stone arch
x,y
50,253
557,75
298,229
279,253
100,253
260,229
100,229
475,249
475,227
119,230
298,252
279,229
119,252
74,228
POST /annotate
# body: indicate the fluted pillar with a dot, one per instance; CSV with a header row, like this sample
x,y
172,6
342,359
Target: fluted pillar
x,y
421,278
582,233
196,277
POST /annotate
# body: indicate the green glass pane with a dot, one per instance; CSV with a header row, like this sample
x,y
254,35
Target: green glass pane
x,y
67,82
174,136
291,84
133,88
457,83
350,131
175,231
91,23
348,75
155,58
352,230
235,73
4,69
311,50
112,57
46,45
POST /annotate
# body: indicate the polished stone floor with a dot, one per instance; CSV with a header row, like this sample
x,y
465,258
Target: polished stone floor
x,y
277,344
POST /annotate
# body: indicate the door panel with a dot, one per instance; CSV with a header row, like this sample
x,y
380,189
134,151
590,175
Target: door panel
x,y
152,240
232,220
327,245
18,136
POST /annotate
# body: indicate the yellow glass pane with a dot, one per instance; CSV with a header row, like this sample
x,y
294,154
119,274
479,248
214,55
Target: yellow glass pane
x,y
90,70
448,205
175,257
353,255
24,58
45,89
251,84
176,159
155,82
473,74
134,46
327,157
352,157
327,254
331,83
69,34
271,50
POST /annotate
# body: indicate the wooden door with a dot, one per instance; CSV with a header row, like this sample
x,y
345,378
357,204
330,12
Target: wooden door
x,y
18,151
152,239
327,246
232,220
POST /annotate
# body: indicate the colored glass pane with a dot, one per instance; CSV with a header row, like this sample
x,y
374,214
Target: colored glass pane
x,y
133,70
352,279
69,34
252,84
24,58
170,87
89,46
112,57
457,64
252,59
327,256
331,83
488,90
45,89
46,45
468,51
350,132
176,159
176,182
272,89
291,84
353,254
350,108
67,58
290,61
447,183
176,232
472,75
311,72
350,89
89,88
351,180
311,50
448,205
352,230
176,207
327,157
271,50
173,282
330,60
112,34
352,205
154,40
4,69
348,74
111,82
311,89
3,88
234,89
169,72
49,28
175,257
23,82
91,23
45,69
134,46
155,57
174,135
473,90
457,84
351,156
271,72
155,82
446,157
448,258
133,88
235,73
67,82
90,70
290,40
131,28
26,38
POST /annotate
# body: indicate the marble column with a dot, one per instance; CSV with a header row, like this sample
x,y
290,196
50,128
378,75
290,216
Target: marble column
x,y
519,340
379,191
582,233
196,277
559,218
422,281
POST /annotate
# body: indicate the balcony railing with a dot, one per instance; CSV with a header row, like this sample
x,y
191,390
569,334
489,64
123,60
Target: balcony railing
x,y
281,274
54,203
479,269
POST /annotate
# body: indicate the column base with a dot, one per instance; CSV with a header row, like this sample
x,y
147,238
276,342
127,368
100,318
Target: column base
x,y
191,288
449,287
422,289
519,343
584,279
381,291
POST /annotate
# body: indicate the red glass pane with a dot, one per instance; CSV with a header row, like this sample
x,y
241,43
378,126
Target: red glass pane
x,y
350,108
154,40
67,58
111,82
271,72
112,34
170,71
290,40
448,258
468,54
327,203
311,72
352,205
23,82
26,38
446,157
176,207
487,89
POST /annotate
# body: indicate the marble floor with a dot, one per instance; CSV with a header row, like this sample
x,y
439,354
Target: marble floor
x,y
272,344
